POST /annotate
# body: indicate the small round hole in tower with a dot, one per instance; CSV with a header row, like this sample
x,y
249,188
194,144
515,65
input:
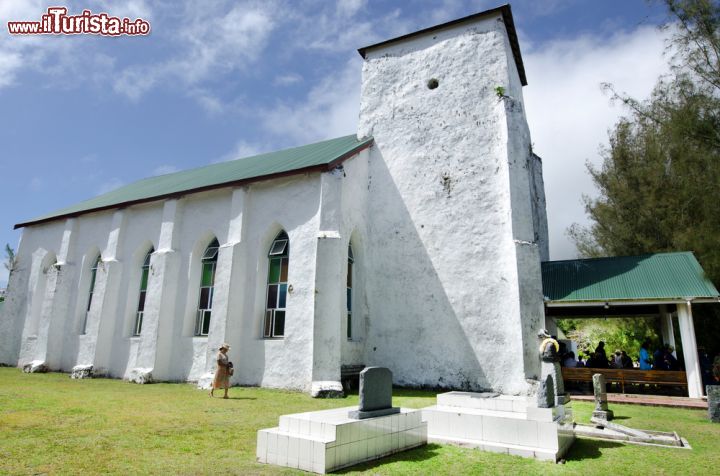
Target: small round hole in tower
x,y
433,83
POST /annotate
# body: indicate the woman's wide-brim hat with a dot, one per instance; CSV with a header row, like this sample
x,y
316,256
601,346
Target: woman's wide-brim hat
x,y
225,346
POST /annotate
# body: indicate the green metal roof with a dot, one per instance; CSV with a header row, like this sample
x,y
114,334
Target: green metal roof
x,y
660,276
313,157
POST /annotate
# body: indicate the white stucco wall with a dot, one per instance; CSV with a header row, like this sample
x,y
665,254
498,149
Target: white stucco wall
x,y
244,220
539,208
445,213
355,218
449,202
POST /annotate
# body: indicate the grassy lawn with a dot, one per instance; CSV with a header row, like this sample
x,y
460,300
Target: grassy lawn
x,y
52,424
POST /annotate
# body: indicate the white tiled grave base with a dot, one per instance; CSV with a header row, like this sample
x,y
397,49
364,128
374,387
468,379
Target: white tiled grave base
x,y
327,440
501,424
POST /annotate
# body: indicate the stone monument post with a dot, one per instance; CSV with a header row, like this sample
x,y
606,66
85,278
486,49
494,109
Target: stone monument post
x,y
601,411
713,399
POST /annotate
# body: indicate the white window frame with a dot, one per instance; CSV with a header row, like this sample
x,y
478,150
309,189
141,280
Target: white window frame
x,y
91,292
210,256
140,313
280,249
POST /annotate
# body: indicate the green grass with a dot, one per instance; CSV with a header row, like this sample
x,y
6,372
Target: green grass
x,y
52,424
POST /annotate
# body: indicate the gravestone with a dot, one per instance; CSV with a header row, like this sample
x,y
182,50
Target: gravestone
x,y
713,399
141,376
36,366
601,411
82,372
375,394
546,393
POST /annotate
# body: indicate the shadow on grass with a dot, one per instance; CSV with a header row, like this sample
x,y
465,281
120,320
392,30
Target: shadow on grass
x,y
589,449
620,417
417,454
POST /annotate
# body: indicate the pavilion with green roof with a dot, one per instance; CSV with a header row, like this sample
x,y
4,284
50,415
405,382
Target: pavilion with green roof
x,y
657,284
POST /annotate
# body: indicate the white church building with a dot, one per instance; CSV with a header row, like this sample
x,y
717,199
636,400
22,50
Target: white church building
x,y
415,244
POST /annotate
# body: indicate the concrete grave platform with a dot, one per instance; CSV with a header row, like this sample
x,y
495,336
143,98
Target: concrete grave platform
x,y
501,424
328,440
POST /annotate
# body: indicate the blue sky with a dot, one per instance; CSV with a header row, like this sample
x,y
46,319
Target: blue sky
x,y
222,79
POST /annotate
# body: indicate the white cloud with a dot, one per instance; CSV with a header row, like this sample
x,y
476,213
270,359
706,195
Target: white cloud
x,y
570,116
287,79
211,103
242,150
36,184
20,10
10,64
333,30
446,11
212,41
329,110
19,52
135,82
110,185
164,169
349,8
131,9
56,56
546,7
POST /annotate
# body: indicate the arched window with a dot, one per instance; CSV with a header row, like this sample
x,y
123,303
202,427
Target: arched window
x,y
351,260
143,292
207,286
93,275
277,286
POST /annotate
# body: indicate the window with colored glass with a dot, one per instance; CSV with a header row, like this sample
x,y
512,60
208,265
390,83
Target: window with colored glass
x,y
207,287
276,301
143,293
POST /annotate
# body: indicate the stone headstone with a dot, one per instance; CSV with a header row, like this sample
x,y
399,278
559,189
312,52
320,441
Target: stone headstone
x,y
713,399
140,375
36,366
375,394
546,393
82,371
327,389
601,411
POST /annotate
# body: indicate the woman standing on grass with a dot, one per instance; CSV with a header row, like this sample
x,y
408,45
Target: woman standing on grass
x,y
222,374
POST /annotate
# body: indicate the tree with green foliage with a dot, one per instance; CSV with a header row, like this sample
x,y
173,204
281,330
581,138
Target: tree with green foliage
x,y
659,183
626,334
9,257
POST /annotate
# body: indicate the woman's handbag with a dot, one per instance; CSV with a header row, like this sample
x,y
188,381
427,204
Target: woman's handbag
x,y
230,369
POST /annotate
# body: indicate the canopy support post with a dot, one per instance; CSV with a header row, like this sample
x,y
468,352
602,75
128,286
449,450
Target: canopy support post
x,y
689,345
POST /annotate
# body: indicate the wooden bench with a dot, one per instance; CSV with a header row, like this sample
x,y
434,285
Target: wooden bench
x,y
350,374
631,376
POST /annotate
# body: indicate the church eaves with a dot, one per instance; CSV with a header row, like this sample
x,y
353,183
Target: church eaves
x,y
317,157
